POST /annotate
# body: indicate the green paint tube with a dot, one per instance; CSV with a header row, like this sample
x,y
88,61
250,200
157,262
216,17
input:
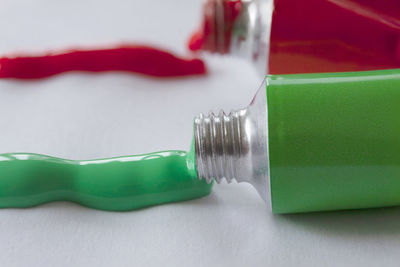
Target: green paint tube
x,y
309,142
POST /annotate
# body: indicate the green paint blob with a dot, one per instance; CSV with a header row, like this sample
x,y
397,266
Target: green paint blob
x,y
114,184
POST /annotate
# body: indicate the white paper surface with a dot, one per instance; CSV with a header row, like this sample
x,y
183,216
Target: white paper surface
x,y
83,116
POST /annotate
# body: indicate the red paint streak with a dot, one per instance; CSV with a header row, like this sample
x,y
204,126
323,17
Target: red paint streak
x,y
334,35
137,59
206,38
197,40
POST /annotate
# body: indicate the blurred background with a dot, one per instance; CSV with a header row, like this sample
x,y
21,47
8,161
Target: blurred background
x,y
86,116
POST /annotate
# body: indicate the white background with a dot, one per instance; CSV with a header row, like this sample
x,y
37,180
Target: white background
x,y
82,116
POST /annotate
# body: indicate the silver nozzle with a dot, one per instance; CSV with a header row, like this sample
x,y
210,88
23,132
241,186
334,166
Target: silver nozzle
x,y
251,33
220,142
234,146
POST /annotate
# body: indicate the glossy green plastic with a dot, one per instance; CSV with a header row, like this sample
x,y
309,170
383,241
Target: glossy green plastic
x,y
115,184
334,140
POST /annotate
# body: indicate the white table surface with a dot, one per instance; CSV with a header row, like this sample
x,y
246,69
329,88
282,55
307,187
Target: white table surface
x,y
81,116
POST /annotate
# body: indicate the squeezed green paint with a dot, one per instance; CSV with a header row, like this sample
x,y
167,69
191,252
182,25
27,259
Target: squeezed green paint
x,y
334,140
114,184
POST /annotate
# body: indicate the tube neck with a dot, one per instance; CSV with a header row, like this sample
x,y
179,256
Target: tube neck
x,y
250,37
234,146
236,27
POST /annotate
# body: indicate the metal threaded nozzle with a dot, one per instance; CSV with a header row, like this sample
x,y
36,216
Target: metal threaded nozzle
x,y
246,36
234,146
220,141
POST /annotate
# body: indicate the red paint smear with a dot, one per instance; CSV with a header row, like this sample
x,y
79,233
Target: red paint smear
x,y
205,37
334,35
137,59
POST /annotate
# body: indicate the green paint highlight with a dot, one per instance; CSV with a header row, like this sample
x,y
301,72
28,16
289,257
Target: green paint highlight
x,y
334,140
114,184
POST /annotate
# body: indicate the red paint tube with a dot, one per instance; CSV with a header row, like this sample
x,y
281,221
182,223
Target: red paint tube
x,y
286,36
135,59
